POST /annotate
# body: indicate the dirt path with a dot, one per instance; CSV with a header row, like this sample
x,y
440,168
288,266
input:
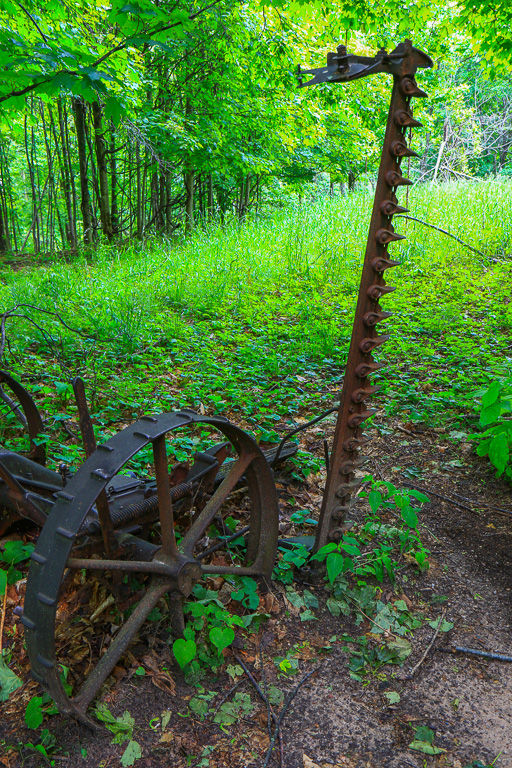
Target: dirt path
x,y
335,720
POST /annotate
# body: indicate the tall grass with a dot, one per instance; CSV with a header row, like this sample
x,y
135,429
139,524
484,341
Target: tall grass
x,y
234,308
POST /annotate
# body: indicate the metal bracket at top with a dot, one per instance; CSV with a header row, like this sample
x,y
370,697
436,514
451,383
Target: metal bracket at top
x,y
343,67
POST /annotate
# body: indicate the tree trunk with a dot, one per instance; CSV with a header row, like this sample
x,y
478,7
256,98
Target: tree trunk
x,y
5,179
114,211
85,204
34,226
189,177
66,144
168,198
139,192
209,204
351,181
69,226
101,162
4,235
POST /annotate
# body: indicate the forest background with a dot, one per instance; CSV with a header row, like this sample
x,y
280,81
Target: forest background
x,y
122,120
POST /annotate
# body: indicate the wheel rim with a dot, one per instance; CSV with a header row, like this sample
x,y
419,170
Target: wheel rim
x,y
171,569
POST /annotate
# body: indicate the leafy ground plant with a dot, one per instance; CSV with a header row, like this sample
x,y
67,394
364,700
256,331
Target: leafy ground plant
x,y
424,741
496,419
210,628
122,729
361,561
14,552
370,550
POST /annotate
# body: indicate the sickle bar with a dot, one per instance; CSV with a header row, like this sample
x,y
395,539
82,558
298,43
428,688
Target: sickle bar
x,y
402,63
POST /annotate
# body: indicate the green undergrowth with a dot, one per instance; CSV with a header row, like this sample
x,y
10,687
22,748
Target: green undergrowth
x,y
255,319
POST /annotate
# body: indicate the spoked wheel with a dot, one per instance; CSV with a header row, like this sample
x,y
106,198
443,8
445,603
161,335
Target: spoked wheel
x,y
146,550
18,409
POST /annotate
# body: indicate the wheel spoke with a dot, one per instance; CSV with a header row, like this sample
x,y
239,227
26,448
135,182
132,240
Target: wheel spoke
x,y
119,645
137,566
205,518
236,570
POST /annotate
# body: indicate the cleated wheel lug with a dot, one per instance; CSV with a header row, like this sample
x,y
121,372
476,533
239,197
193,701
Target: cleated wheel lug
x,y
403,119
374,292
349,466
379,265
355,443
385,236
389,208
365,369
409,87
345,489
372,318
358,418
336,535
361,394
399,149
395,179
340,511
368,345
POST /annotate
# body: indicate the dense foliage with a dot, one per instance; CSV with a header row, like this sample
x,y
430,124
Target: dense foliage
x,y
124,119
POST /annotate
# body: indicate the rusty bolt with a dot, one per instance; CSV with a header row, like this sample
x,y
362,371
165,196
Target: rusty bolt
x,y
384,236
388,208
404,120
364,369
399,149
394,179
367,345
379,265
376,291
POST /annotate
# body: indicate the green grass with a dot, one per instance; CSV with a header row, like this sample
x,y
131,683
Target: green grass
x,y
255,320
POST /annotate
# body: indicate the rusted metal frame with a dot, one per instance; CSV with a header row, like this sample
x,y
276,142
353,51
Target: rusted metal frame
x,y
21,498
89,441
206,517
35,424
353,410
138,566
119,645
163,487
172,574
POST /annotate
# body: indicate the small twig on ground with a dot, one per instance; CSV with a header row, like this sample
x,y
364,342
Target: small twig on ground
x,y
68,430
226,697
483,504
251,678
429,646
3,621
405,431
265,688
457,503
372,621
283,712
474,652
264,697
13,407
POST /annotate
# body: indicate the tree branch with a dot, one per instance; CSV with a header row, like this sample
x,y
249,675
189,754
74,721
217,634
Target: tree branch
x,y
34,22
107,55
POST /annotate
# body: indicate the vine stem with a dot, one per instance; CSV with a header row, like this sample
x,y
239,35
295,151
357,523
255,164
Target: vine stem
x,y
3,620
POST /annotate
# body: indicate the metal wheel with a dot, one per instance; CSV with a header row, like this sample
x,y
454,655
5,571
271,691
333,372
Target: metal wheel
x,y
17,501
67,545
32,417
